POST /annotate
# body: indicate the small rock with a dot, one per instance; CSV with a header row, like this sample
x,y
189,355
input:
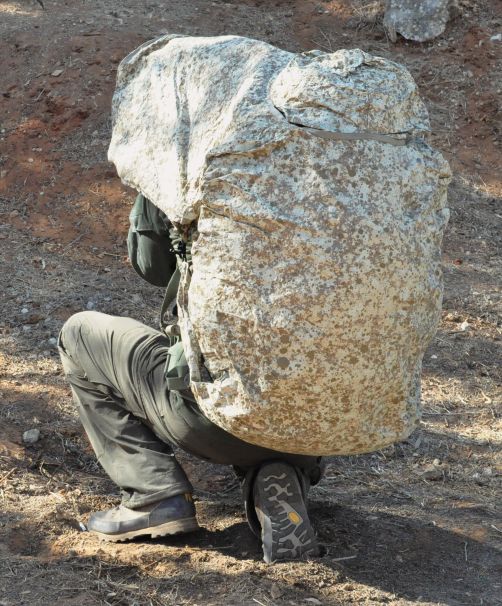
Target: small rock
x,y
479,479
24,310
465,325
53,341
432,473
90,305
434,357
31,436
57,72
496,38
34,319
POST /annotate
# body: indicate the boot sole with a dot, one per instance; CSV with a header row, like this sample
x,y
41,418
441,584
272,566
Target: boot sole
x,y
162,530
286,530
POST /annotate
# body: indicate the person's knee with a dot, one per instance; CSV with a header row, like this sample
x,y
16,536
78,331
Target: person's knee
x,y
72,331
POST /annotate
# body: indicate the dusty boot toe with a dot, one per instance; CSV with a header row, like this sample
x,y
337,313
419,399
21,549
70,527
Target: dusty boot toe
x,y
169,516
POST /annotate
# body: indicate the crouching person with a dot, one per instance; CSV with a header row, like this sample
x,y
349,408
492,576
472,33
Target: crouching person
x,y
128,382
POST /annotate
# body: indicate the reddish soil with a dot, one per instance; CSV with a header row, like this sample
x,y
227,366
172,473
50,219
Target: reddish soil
x,y
418,523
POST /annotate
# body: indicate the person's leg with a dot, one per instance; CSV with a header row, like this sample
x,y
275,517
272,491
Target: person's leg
x,y
116,367
279,497
274,484
109,363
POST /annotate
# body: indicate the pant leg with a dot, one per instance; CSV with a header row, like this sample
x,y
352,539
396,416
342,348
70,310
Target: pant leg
x,y
116,367
110,363
187,427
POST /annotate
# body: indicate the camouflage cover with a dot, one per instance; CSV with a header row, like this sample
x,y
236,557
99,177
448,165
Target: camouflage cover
x,y
319,210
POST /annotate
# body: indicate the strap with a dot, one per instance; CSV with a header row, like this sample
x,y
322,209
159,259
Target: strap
x,y
178,383
169,296
397,139
182,247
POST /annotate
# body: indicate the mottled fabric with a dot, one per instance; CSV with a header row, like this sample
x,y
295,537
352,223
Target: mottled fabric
x,y
416,20
317,209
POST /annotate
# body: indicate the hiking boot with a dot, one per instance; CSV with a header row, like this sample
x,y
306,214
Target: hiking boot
x,y
169,516
286,533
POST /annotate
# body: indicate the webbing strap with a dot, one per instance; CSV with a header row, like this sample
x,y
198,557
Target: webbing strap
x,y
182,248
365,136
177,383
170,295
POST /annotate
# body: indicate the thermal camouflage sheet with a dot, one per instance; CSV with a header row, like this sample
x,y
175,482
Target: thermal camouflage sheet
x,y
317,210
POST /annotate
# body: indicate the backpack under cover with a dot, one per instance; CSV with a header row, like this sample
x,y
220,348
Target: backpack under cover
x,y
319,210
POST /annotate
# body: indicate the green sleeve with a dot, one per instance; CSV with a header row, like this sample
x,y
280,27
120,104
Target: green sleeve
x,y
148,243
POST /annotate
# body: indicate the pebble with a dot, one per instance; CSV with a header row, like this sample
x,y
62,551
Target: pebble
x,y
90,305
496,38
31,436
432,472
24,310
480,480
53,341
56,73
465,325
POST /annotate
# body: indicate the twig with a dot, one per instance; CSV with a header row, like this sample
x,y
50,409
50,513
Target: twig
x,y
82,235
4,477
451,414
465,550
495,528
258,602
345,558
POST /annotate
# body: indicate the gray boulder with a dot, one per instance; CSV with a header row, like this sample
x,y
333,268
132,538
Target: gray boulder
x,y
417,20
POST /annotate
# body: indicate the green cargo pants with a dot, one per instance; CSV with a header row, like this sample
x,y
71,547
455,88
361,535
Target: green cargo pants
x,y
116,369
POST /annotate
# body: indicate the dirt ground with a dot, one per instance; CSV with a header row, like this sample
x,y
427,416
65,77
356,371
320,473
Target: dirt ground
x,y
418,523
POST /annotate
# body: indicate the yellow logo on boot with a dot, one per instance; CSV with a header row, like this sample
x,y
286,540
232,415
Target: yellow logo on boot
x,y
294,517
